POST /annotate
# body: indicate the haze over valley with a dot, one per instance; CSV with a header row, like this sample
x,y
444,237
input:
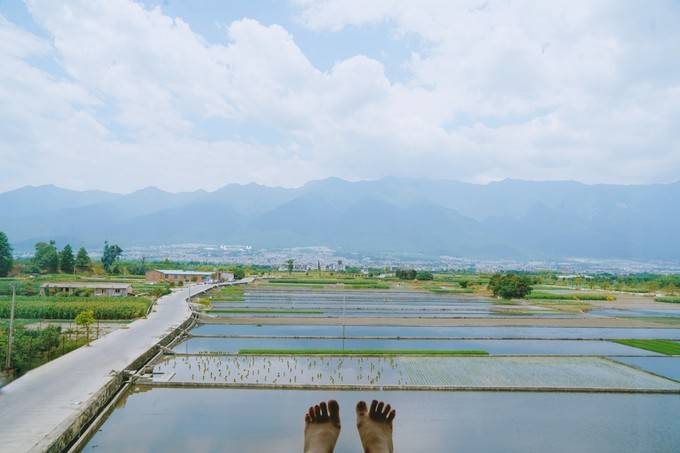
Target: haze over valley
x,y
510,219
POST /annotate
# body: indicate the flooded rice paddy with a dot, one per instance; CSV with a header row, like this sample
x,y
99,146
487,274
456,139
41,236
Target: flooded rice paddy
x,y
409,372
270,421
201,345
207,397
351,304
663,366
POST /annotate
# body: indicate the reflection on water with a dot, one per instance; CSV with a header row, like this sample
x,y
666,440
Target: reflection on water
x,y
271,421
436,332
663,366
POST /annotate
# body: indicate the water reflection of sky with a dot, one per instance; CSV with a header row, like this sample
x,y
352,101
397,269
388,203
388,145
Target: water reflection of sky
x,y
436,332
270,421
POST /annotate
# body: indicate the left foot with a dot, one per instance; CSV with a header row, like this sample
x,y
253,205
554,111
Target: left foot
x,y
322,427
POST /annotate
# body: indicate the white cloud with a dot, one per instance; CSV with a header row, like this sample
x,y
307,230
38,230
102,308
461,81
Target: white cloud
x,y
553,90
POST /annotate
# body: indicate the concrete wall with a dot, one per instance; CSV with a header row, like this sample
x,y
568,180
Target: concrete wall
x,y
73,429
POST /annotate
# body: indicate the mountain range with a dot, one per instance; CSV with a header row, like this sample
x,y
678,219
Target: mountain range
x,y
506,219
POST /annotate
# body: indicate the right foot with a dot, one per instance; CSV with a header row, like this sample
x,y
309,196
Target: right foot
x,y
322,427
375,426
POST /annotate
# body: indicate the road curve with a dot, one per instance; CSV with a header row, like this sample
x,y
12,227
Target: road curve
x,y
34,407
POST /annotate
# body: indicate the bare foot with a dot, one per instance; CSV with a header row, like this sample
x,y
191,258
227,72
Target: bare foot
x,y
375,426
322,427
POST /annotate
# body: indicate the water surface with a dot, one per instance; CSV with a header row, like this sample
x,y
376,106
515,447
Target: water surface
x,y
271,421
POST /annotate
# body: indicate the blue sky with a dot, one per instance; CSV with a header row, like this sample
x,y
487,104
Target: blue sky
x,y
119,94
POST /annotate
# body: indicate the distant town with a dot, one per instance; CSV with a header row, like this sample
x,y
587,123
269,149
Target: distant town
x,y
328,259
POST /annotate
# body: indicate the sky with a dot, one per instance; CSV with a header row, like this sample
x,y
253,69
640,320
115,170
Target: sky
x,y
119,95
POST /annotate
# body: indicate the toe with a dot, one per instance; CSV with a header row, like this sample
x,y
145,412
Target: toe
x,y
387,410
324,410
374,405
317,412
362,409
310,414
308,419
391,416
334,410
379,410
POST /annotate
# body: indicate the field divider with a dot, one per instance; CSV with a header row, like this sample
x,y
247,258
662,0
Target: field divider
x,y
546,389
484,356
364,337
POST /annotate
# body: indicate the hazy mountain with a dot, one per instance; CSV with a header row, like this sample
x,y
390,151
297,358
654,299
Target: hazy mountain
x,y
518,219
30,200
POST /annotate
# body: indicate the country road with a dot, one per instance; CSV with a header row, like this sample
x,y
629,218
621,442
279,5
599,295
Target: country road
x,y
34,407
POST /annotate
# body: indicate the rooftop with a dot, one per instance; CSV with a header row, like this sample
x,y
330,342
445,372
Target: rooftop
x,y
181,272
107,285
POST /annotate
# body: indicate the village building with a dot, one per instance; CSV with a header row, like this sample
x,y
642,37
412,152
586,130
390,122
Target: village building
x,y
176,276
107,289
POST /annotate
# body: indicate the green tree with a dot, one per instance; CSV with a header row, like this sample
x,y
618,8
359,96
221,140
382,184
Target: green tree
x,y
464,283
6,258
86,319
110,255
424,275
290,264
406,274
66,260
510,286
46,258
137,267
83,261
238,272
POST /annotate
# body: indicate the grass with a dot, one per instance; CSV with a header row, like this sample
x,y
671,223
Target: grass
x,y
369,286
265,311
565,306
448,290
668,299
353,283
227,294
366,352
569,296
305,281
551,287
661,346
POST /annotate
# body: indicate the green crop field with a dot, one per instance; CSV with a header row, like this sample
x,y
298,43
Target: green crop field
x,y
661,346
265,311
668,299
360,283
569,296
68,307
448,290
365,352
226,294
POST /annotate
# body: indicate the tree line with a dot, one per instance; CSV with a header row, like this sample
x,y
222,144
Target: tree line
x,y
49,259
412,274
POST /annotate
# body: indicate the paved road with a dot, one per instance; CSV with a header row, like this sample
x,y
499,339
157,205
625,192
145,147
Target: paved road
x,y
33,406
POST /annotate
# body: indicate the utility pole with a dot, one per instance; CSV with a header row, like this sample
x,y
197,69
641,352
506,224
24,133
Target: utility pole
x,y
10,335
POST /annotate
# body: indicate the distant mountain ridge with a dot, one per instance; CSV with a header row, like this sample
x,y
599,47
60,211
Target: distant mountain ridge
x,y
506,219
